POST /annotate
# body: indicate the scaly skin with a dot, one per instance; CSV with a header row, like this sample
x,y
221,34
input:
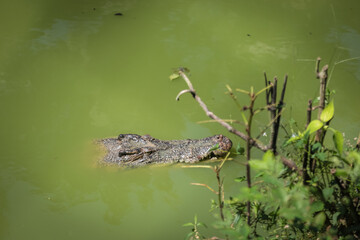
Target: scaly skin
x,y
135,150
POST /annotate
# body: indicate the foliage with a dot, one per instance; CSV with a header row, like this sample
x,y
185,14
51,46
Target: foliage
x,y
326,206
319,201
284,207
194,234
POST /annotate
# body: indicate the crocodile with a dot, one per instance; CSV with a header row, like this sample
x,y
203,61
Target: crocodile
x,y
132,150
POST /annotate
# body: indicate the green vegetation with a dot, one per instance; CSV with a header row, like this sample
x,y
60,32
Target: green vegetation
x,y
308,188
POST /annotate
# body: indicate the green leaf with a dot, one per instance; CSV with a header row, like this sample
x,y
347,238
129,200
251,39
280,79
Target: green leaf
x,y
334,218
240,150
328,113
353,158
338,141
319,219
341,173
320,155
202,224
313,126
240,179
174,76
188,224
317,206
258,164
268,156
293,139
327,192
189,235
316,147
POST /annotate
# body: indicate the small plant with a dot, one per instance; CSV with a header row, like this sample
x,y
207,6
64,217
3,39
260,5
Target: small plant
x,y
195,234
306,189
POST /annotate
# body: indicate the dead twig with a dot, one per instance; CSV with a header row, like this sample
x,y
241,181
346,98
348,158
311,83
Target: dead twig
x,y
275,113
210,114
254,142
182,92
205,185
307,150
225,120
322,75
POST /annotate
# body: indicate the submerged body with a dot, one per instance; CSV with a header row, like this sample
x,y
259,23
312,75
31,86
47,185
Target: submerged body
x,y
136,150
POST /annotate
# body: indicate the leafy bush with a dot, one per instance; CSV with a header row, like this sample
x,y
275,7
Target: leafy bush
x,y
319,200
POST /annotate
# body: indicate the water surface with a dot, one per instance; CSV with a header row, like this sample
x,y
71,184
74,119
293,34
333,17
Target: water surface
x,y
72,72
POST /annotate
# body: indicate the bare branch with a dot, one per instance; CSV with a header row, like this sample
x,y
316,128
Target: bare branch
x,y
306,155
205,185
317,66
210,114
254,142
272,143
322,75
290,164
281,102
277,111
225,120
182,92
314,108
267,90
309,111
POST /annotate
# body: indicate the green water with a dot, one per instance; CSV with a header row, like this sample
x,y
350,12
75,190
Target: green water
x,y
72,72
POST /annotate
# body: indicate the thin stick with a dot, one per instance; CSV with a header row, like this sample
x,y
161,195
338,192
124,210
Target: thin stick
x,y
220,193
231,93
267,90
205,185
306,153
272,143
277,122
225,120
342,61
322,75
309,111
248,152
182,92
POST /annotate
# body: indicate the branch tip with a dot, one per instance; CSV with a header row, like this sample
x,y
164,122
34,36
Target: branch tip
x,y
183,92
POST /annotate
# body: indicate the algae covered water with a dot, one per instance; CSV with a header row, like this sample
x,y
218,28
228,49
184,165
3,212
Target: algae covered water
x,y
75,71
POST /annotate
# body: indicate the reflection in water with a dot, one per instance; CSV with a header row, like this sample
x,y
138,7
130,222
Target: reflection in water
x,y
262,50
347,50
122,192
136,190
59,31
67,32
